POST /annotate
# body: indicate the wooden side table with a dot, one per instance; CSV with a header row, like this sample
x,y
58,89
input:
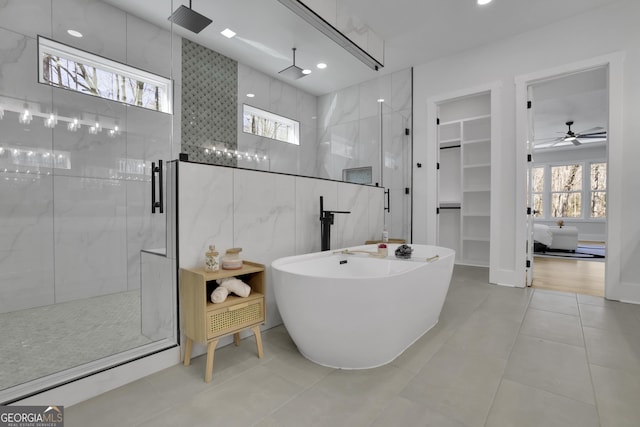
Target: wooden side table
x,y
206,322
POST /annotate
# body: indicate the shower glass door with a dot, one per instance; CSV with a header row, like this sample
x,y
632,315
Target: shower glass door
x,y
75,185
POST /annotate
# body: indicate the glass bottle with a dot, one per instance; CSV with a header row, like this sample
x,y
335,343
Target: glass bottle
x,y
211,262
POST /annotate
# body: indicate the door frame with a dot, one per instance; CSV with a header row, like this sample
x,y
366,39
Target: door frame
x,y
614,64
495,92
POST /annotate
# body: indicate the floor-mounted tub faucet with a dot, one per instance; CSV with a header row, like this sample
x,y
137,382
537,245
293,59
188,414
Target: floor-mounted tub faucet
x,y
326,220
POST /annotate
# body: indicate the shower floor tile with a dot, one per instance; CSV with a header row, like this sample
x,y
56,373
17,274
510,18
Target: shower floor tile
x,y
45,340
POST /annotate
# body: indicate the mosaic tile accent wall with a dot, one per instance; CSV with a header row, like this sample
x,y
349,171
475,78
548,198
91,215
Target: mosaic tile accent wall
x,y
209,104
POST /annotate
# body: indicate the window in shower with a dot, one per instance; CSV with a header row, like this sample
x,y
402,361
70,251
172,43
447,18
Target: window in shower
x,y
263,123
74,69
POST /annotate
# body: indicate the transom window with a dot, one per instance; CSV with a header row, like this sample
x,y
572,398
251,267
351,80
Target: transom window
x,y
70,68
269,125
577,190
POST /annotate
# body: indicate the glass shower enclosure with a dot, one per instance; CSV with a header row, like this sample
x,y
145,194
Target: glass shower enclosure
x,y
82,256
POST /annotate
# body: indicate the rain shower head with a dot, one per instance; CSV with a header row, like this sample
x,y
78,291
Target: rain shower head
x,y
189,19
293,72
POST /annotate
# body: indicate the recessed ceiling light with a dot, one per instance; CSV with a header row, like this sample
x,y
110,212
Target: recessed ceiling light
x,y
321,65
483,2
74,33
227,33
306,71
251,95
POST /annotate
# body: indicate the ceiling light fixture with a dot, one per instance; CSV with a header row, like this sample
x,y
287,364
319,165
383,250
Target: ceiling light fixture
x,y
251,95
330,31
227,33
25,117
74,33
380,100
73,125
51,121
321,65
306,71
188,18
93,130
483,2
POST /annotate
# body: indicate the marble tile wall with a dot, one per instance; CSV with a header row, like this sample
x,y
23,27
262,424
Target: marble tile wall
x,y
76,206
351,124
269,215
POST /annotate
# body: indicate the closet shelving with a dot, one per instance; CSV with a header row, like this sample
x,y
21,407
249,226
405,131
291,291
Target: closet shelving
x,y
465,188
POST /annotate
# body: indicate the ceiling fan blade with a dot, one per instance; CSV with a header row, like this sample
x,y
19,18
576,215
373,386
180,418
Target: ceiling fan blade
x,y
592,130
559,138
576,142
593,135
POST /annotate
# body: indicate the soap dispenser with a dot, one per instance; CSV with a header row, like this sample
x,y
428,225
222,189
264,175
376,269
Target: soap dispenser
x,y
211,262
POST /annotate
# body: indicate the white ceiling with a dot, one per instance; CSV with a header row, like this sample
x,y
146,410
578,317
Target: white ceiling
x,y
579,97
415,31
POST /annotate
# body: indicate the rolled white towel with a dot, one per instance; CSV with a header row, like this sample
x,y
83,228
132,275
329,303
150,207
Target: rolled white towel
x,y
219,295
236,286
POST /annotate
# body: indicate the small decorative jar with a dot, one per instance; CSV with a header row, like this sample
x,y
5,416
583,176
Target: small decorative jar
x,y
382,250
211,262
231,259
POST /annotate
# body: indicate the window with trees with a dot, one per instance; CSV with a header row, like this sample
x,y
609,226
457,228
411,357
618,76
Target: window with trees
x,y
566,191
577,190
269,125
538,192
70,68
598,205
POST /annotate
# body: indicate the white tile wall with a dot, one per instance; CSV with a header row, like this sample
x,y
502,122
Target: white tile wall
x,y
18,71
205,211
26,242
102,25
349,128
157,296
264,222
90,237
25,17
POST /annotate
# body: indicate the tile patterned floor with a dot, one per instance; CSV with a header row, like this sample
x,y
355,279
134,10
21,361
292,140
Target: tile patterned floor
x,y
498,357
45,340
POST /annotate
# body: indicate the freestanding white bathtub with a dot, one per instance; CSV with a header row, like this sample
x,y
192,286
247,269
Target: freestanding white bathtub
x,y
364,312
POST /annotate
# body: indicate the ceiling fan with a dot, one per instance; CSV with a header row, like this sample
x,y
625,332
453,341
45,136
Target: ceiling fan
x,y
577,138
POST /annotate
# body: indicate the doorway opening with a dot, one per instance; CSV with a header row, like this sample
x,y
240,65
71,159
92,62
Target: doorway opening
x,y
567,181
